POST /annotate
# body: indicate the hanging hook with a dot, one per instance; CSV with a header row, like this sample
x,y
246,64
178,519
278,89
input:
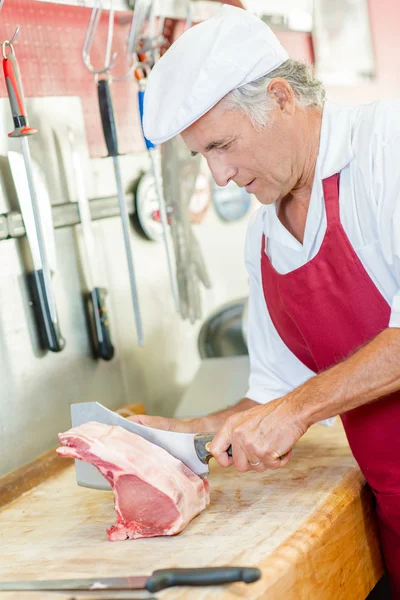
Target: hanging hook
x,y
140,14
9,43
109,60
16,34
155,39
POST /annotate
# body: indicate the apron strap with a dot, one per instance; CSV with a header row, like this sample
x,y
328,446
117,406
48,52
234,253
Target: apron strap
x,y
331,197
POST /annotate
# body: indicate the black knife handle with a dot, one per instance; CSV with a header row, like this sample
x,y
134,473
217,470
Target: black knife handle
x,y
99,324
49,332
107,117
165,578
201,443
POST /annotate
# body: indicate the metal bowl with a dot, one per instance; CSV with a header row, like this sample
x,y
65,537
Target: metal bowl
x,y
223,332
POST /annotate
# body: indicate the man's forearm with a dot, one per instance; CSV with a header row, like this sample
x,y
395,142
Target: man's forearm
x,y
209,423
214,421
371,372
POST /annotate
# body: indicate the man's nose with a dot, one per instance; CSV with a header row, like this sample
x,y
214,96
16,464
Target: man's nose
x,y
222,173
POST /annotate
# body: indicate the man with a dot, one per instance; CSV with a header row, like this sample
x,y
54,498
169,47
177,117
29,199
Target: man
x,y
323,250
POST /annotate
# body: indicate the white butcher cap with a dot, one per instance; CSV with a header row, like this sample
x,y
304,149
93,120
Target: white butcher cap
x,y
205,63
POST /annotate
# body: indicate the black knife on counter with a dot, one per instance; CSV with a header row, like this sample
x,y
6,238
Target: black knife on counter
x,y
157,581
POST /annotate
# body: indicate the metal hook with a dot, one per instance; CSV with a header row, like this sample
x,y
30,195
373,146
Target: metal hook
x,y
109,61
10,43
140,12
16,34
154,39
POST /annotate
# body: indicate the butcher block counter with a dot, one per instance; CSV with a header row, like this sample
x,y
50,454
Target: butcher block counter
x,y
309,527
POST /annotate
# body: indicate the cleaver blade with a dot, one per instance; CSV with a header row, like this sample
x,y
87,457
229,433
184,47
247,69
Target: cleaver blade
x,y
181,445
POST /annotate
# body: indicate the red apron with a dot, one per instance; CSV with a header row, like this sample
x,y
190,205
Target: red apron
x,y
324,311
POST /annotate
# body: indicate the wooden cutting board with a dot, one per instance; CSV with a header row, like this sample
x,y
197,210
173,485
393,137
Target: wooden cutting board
x,y
309,527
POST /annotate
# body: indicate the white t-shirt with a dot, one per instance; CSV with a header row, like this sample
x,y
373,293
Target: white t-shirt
x,y
363,144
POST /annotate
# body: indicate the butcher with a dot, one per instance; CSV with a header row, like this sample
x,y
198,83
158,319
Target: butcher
x,y
322,251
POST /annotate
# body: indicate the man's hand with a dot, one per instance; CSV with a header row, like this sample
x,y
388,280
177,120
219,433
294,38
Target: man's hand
x,y
261,438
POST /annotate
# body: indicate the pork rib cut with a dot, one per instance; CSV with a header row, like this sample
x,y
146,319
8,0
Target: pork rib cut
x,y
154,493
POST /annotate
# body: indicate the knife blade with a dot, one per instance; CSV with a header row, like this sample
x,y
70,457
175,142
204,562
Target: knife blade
x,y
157,581
190,448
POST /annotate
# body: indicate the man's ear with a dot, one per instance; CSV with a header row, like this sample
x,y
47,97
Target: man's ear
x,y
282,92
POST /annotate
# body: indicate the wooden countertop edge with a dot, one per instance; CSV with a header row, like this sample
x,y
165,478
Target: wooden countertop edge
x,y
23,479
344,526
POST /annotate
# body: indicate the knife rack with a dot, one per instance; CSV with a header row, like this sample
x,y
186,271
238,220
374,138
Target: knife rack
x,y
65,215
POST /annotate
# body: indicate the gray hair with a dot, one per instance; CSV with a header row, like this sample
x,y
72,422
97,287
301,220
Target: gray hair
x,y
252,99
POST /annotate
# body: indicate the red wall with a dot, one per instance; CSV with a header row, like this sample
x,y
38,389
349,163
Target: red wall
x,y
49,53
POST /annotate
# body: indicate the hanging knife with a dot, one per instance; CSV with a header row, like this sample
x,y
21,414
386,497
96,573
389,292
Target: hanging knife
x,y
49,331
40,279
151,148
97,308
110,136
157,581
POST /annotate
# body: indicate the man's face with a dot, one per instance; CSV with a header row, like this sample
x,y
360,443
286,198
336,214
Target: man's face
x,y
260,160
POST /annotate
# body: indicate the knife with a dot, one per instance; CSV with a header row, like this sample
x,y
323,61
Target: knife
x,y
49,328
157,581
190,448
96,298
110,136
154,161
40,279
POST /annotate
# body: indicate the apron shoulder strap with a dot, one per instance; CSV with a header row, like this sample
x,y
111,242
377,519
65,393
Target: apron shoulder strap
x,y
331,196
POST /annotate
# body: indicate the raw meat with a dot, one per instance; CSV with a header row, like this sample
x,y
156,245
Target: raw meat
x,y
154,493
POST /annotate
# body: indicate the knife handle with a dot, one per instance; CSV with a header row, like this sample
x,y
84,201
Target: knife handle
x,y
16,96
49,330
202,443
165,578
99,324
107,117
